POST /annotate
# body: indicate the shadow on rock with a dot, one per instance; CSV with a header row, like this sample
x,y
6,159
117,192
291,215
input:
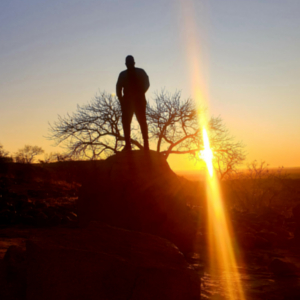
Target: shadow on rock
x,y
138,191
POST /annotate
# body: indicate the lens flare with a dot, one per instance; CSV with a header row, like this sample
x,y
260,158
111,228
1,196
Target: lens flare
x,y
220,234
207,154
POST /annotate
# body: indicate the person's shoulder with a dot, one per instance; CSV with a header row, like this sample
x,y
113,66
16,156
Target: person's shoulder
x,y
123,73
139,70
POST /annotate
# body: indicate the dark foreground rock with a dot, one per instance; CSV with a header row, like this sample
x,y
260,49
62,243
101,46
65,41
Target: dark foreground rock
x,y
283,268
103,262
138,191
13,268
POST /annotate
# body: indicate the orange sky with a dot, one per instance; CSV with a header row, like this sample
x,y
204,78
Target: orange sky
x,y
56,55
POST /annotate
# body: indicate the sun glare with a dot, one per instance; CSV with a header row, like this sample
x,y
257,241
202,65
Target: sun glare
x,y
222,258
207,154
220,235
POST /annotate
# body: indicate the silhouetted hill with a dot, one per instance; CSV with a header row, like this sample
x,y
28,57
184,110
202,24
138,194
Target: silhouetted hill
x,y
138,191
137,201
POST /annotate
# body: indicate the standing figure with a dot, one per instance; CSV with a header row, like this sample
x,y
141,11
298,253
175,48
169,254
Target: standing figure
x,y
132,85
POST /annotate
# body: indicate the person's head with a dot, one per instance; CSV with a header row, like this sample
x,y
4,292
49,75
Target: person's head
x,y
129,62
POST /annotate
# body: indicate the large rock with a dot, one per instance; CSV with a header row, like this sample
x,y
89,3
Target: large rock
x,y
296,213
103,262
283,268
138,191
13,270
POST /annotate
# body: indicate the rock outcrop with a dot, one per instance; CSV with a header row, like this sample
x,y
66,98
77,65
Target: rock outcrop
x,y
102,262
296,213
138,191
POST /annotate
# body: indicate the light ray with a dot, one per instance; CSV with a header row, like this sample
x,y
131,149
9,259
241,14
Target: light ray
x,y
220,234
207,154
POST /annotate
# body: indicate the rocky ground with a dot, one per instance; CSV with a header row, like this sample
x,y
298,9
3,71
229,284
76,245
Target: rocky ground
x,y
268,242
268,257
36,202
270,273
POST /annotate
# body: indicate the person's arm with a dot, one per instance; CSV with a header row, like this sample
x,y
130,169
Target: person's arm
x,y
146,82
119,87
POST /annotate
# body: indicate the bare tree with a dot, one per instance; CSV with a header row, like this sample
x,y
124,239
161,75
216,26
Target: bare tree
x,y
95,130
257,187
228,154
55,157
27,154
174,125
4,155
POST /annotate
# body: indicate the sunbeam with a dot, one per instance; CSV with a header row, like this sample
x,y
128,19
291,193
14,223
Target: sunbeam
x,y
222,258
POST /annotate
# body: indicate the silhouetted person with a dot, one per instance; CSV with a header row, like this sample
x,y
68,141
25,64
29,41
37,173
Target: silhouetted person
x,y
131,88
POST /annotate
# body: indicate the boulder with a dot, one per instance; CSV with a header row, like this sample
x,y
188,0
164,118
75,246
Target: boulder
x,y
296,213
102,262
262,243
247,240
137,190
14,270
283,268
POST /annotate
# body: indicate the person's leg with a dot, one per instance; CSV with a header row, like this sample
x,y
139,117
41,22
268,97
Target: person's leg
x,y
140,112
127,114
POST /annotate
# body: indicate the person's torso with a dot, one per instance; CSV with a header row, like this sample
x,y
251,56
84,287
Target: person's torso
x,y
133,82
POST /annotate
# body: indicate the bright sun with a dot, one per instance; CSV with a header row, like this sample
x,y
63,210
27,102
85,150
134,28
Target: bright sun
x,y
207,154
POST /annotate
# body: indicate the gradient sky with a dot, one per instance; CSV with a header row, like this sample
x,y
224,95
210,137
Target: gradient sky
x,y
57,54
